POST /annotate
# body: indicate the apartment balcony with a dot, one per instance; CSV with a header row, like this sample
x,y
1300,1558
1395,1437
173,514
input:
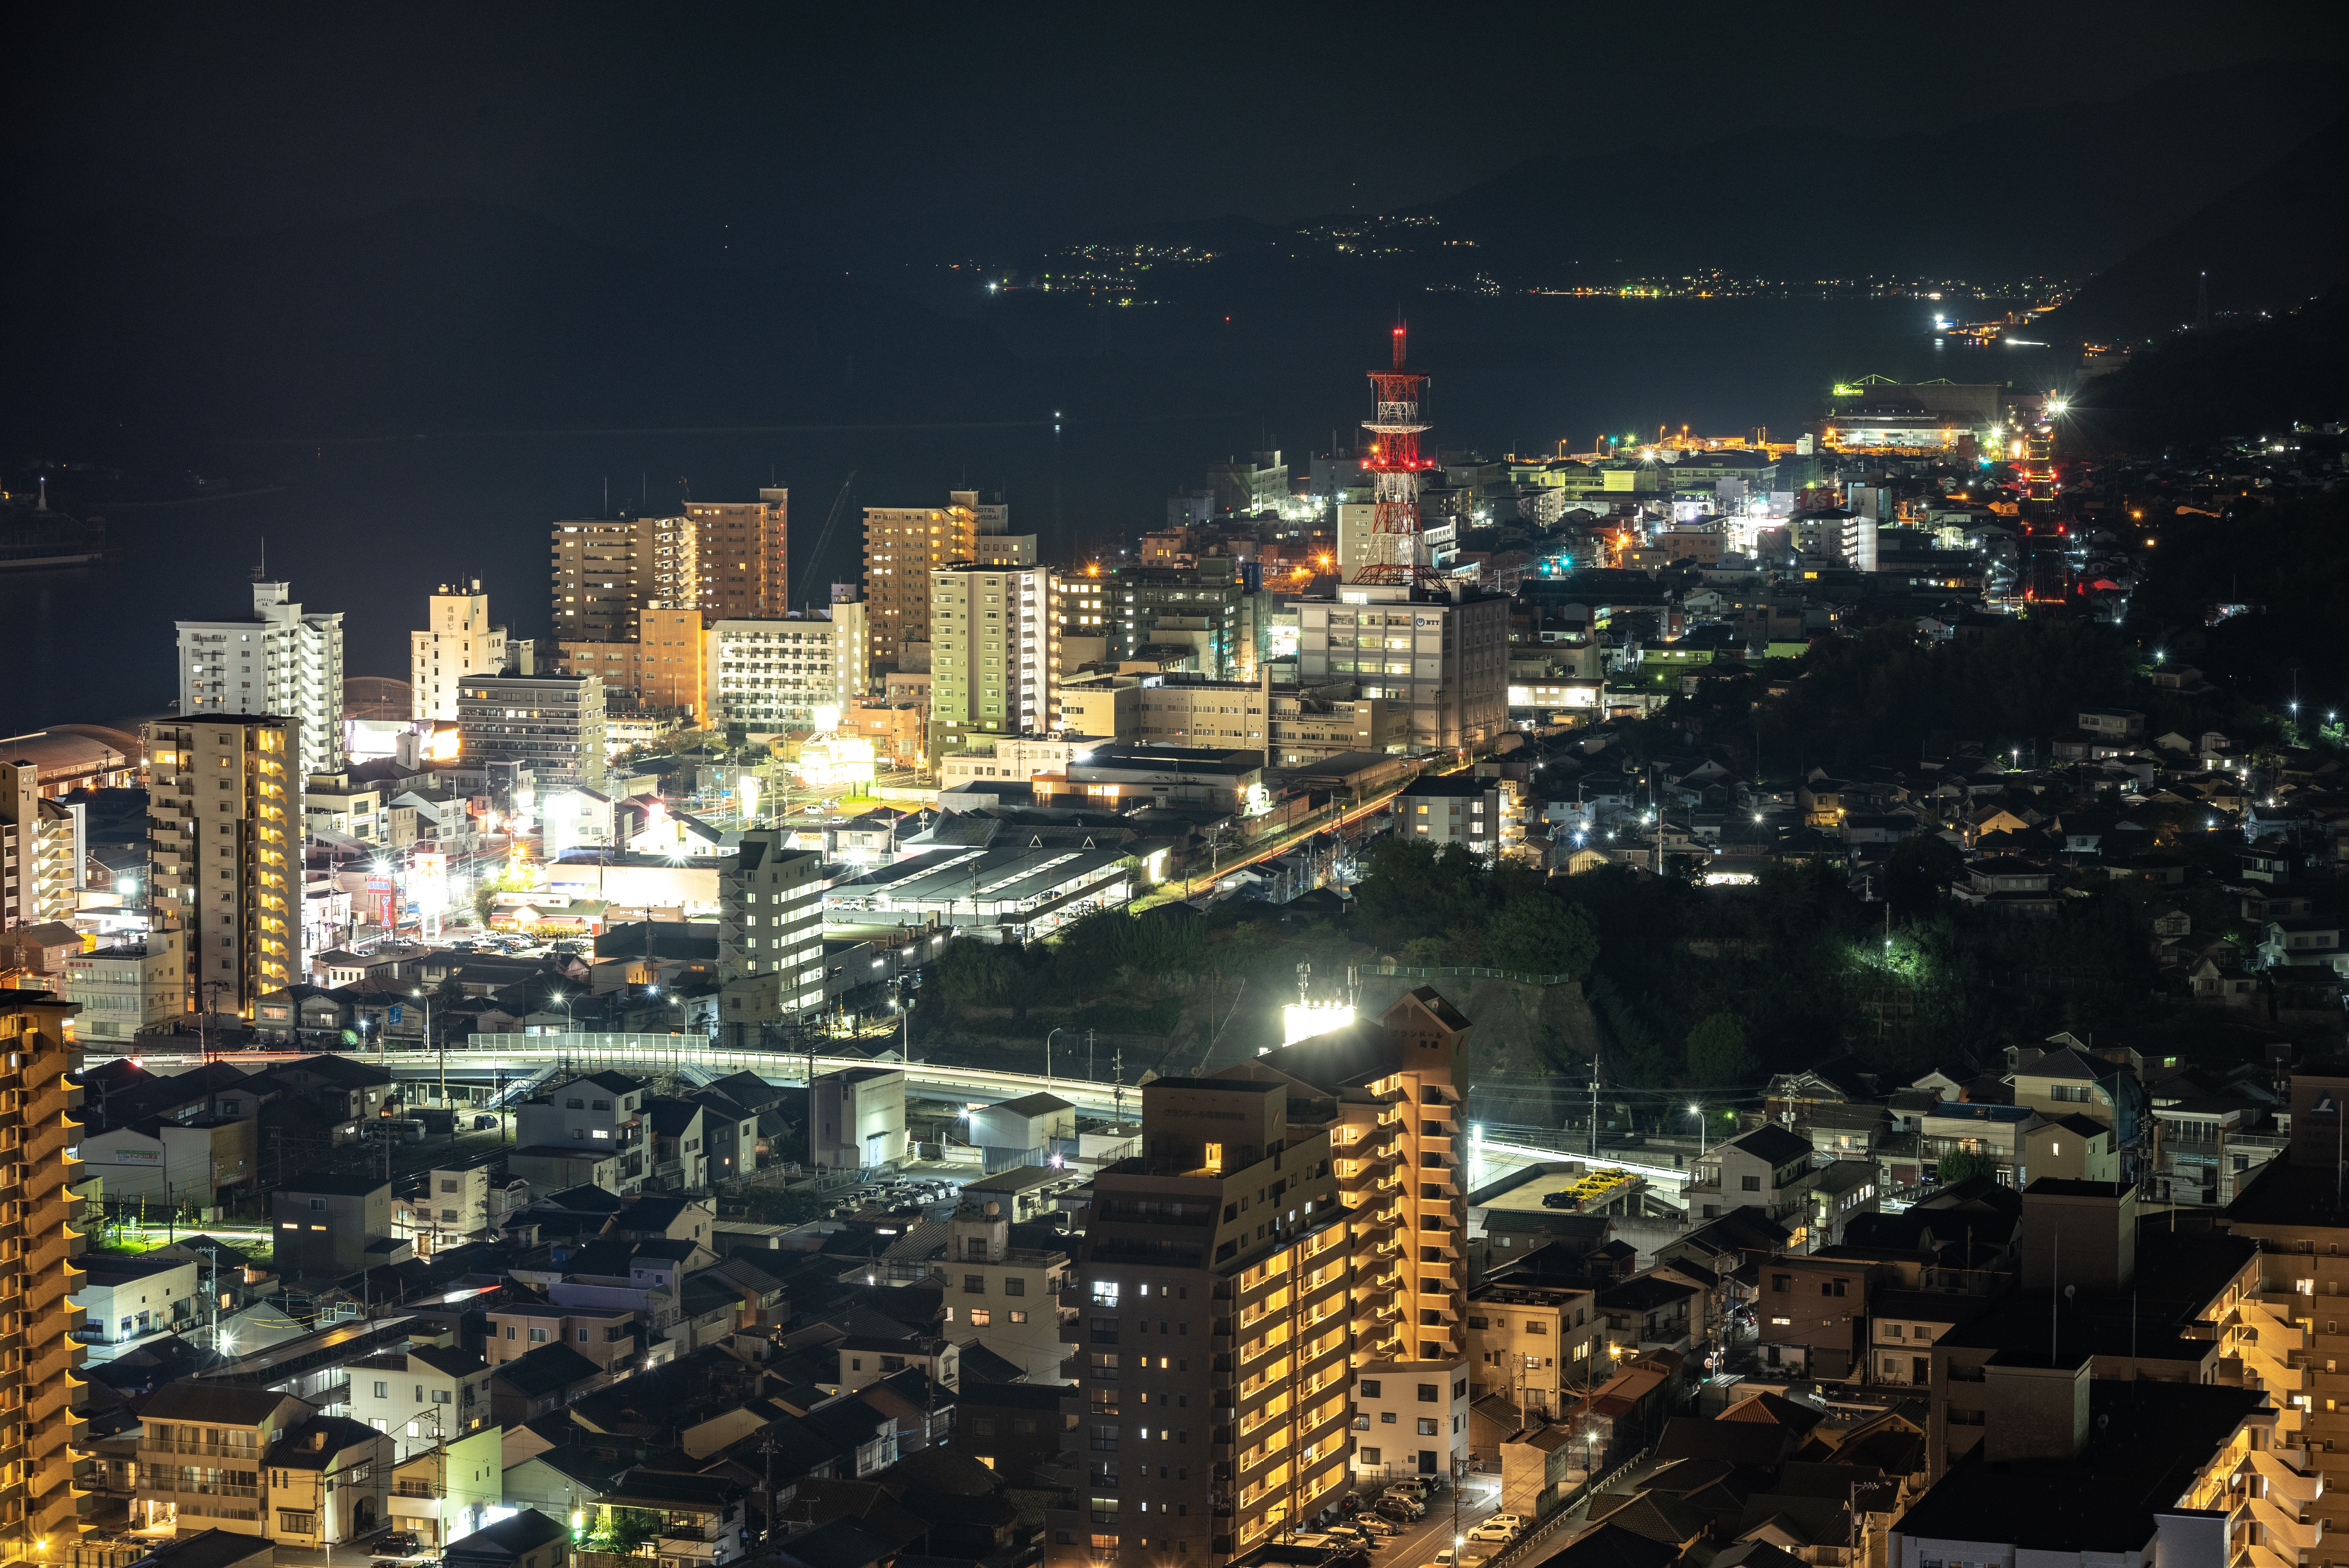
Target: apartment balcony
x,y
2284,1529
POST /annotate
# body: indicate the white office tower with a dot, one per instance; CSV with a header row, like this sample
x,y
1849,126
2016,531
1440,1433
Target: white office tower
x,y
458,640
279,662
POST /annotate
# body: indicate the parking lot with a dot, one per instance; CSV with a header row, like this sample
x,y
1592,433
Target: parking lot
x,y
1416,1542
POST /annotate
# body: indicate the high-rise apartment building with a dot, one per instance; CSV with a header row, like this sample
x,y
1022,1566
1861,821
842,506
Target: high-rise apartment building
x,y
991,662
608,571
1445,655
664,668
225,818
597,582
43,844
1390,1096
770,675
553,723
37,1276
742,556
279,661
458,641
1293,1227
1214,1335
903,546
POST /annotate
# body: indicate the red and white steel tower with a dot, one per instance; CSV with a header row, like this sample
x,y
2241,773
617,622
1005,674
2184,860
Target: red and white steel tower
x,y
1391,553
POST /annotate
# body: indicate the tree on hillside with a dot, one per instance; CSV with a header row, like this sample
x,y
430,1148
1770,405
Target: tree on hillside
x,y
1535,934
1922,870
1718,1056
975,974
1412,889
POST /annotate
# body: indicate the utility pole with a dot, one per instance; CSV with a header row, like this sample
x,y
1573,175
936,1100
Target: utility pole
x,y
1594,1105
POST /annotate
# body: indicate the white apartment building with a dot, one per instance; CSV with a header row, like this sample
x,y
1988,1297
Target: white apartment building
x,y
280,661
44,844
1447,656
458,641
770,933
991,662
773,673
224,823
122,990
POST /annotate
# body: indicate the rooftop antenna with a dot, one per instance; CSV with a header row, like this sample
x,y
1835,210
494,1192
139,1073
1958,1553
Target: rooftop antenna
x,y
261,563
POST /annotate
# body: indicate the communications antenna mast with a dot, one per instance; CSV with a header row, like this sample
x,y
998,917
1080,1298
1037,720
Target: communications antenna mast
x,y
1391,553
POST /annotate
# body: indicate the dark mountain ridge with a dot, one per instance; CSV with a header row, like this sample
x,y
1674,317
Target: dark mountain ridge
x,y
2267,246
2059,192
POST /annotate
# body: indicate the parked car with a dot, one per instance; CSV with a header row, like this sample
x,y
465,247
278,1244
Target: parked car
x,y
1402,1508
1347,1533
395,1543
1452,1557
1514,1521
1490,1534
1373,1522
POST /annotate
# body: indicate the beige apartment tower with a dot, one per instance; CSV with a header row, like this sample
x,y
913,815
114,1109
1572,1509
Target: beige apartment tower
x,y
664,668
717,558
742,556
1213,1336
41,1422
903,546
225,818
458,641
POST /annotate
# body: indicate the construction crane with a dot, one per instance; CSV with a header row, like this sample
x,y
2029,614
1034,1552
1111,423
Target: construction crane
x,y
832,521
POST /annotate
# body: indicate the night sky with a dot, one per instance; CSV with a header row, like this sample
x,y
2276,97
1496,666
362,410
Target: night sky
x,y
861,132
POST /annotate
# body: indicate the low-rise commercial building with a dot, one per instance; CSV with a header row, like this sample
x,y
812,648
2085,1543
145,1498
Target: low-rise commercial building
x,y
130,1300
857,1118
124,989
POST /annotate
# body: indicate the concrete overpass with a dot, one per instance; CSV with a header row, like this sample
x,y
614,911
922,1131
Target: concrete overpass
x,y
516,1060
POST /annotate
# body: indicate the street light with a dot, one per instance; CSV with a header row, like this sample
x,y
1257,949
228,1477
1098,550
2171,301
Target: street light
x,y
1048,1056
1698,1112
